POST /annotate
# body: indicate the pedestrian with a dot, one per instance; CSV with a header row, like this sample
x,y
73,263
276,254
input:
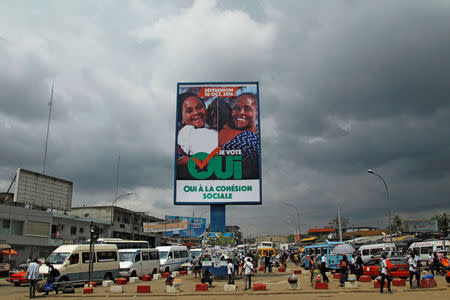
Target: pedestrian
x,y
352,264
51,277
207,277
230,271
28,260
248,271
32,276
267,261
197,266
323,268
235,260
385,273
413,270
430,262
436,263
344,271
271,263
315,271
359,266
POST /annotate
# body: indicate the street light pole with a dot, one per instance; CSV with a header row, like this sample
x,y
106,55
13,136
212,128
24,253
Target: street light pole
x,y
387,199
298,216
112,209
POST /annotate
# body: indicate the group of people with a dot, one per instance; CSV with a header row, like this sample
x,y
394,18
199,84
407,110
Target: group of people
x,y
230,126
33,276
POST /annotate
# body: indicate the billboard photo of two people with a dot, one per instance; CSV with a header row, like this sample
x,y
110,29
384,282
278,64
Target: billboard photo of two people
x,y
218,144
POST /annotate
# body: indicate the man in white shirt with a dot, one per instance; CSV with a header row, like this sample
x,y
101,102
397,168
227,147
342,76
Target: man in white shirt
x,y
385,274
248,269
413,269
32,276
323,268
230,271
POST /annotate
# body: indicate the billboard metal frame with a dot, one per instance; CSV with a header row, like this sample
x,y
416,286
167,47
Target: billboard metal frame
x,y
176,143
30,189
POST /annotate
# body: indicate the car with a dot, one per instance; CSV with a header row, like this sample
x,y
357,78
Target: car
x,y
18,278
399,268
388,254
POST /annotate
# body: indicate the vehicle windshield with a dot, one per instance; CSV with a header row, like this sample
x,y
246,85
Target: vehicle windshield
x,y
58,258
163,254
126,256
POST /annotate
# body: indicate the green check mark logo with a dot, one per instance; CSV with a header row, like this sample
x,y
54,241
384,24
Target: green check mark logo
x,y
202,164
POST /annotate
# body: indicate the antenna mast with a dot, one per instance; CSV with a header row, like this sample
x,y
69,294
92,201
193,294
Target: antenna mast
x,y
48,128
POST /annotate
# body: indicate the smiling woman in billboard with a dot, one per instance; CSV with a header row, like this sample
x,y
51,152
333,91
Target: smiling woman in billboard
x,y
244,135
193,137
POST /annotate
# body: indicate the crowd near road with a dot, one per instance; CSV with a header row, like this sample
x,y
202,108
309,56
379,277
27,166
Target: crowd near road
x,y
249,269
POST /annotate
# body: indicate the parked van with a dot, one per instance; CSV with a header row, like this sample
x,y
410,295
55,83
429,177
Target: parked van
x,y
423,249
367,251
196,253
72,262
172,257
138,262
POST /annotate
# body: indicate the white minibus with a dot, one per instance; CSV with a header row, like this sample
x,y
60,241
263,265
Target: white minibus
x,y
138,262
423,249
367,251
172,257
72,262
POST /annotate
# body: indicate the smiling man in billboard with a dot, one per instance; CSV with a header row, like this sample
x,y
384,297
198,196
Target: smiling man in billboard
x,y
217,144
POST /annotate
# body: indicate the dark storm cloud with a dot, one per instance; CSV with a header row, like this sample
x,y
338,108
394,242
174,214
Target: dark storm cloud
x,y
345,86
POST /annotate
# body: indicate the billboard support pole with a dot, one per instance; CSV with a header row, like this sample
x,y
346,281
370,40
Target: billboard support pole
x,y
217,218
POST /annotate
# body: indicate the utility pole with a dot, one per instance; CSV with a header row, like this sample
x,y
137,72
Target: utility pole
x,y
340,227
48,128
117,176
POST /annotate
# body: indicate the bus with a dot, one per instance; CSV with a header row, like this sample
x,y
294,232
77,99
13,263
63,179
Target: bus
x,y
124,244
326,248
423,249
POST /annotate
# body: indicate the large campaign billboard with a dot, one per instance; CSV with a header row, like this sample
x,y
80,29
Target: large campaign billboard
x,y
195,226
218,144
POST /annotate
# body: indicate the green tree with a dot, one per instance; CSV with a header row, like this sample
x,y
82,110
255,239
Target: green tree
x,y
442,224
397,224
290,238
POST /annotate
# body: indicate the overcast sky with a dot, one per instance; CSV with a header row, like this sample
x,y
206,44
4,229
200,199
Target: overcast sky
x,y
345,86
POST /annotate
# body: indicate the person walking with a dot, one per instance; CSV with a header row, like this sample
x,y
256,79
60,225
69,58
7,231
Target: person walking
x,y
323,268
51,277
267,262
197,266
235,261
359,266
230,271
248,271
32,276
344,271
385,273
413,270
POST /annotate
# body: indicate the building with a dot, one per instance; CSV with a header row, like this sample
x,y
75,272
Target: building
x,y
237,234
276,239
318,232
125,224
36,233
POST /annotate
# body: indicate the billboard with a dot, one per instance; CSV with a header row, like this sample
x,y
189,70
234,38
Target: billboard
x,y
220,239
43,190
423,226
164,226
217,144
195,226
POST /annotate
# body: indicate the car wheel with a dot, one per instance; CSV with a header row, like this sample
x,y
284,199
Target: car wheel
x,y
167,269
133,274
108,276
16,284
154,271
64,278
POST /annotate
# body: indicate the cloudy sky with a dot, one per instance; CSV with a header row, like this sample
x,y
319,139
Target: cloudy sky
x,y
345,86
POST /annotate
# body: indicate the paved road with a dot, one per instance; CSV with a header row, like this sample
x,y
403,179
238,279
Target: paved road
x,y
277,289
